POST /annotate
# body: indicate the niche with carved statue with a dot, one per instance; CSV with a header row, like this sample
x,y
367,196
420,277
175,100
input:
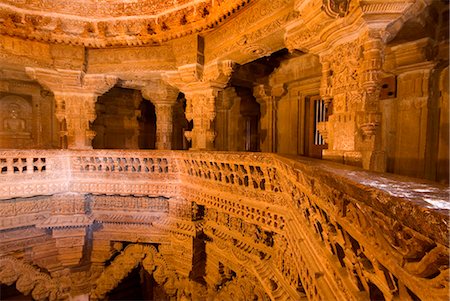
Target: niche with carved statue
x,y
15,122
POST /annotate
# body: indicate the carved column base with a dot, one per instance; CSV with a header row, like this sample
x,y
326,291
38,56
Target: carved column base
x,y
353,158
374,161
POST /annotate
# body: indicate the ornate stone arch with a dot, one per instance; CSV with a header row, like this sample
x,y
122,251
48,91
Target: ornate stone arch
x,y
29,279
134,254
241,289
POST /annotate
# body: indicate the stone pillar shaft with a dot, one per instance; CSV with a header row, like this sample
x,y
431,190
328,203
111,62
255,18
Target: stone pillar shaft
x,y
164,125
268,107
163,98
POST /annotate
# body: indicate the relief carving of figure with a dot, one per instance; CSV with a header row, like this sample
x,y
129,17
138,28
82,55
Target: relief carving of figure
x,y
14,123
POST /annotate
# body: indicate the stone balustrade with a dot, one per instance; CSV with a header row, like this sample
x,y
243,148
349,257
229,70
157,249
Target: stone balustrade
x,y
306,228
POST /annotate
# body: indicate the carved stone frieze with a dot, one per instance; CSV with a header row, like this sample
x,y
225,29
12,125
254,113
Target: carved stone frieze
x,y
115,23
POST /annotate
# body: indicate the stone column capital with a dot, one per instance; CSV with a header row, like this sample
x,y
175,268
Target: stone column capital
x,y
72,81
261,93
160,93
201,86
215,74
75,96
264,93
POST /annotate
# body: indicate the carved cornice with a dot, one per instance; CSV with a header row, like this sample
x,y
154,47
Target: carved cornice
x,y
323,25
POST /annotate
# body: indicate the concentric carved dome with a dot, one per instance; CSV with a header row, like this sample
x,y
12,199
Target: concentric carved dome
x,y
102,23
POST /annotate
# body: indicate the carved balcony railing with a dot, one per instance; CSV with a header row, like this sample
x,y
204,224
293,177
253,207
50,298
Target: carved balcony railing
x,y
303,228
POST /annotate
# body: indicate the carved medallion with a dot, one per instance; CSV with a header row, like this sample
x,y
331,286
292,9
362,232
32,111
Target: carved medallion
x,y
336,8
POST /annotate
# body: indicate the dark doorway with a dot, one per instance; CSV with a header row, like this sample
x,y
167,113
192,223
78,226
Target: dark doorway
x,y
138,285
9,292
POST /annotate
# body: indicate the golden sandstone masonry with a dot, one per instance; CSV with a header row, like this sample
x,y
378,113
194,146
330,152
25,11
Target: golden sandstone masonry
x,y
224,150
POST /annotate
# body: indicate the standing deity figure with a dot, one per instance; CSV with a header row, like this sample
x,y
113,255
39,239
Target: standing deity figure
x,y
14,123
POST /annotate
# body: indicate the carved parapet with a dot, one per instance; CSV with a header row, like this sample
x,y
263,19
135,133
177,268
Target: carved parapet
x,y
295,227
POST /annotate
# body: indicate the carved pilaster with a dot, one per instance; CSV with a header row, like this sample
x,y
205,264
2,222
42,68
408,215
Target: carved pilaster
x,y
351,82
351,70
75,96
69,243
417,107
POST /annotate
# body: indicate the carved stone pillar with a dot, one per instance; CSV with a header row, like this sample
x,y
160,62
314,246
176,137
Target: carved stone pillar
x,y
351,82
201,109
201,86
78,113
373,154
163,98
351,70
268,98
164,125
75,96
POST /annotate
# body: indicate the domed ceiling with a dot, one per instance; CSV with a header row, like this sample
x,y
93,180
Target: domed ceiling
x,y
103,23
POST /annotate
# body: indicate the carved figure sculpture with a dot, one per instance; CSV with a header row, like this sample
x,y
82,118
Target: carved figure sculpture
x,y
14,123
